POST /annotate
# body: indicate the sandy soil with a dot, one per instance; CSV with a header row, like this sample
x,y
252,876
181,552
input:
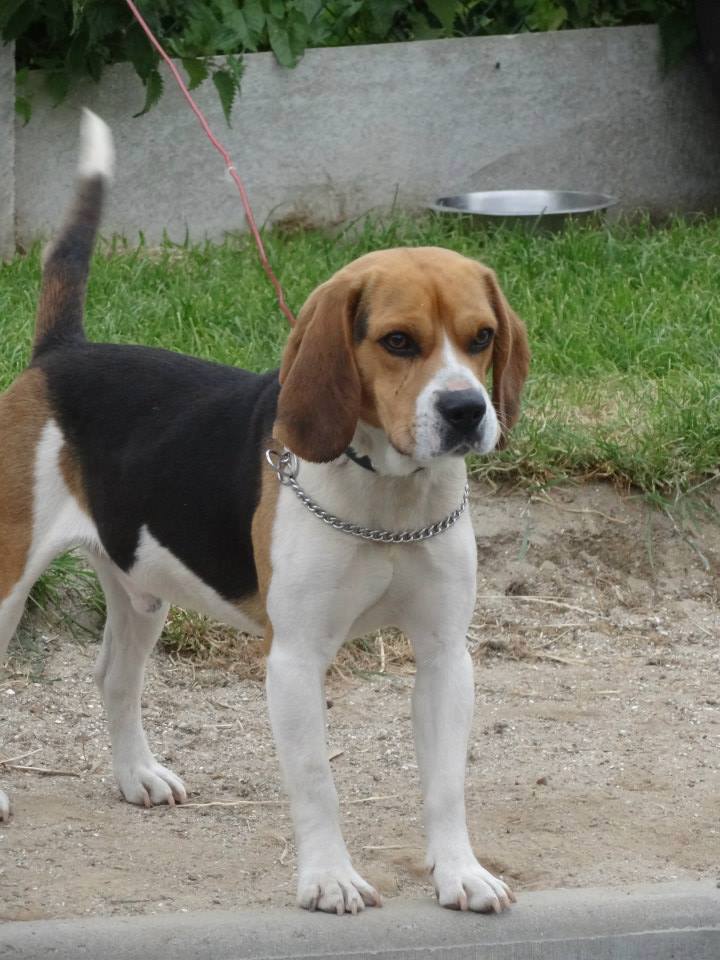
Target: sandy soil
x,y
595,752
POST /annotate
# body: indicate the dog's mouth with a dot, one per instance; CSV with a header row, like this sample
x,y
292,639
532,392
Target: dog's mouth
x,y
460,446
461,449
404,443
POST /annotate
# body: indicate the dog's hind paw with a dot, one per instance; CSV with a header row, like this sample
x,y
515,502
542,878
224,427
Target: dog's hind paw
x,y
469,886
149,783
336,890
4,807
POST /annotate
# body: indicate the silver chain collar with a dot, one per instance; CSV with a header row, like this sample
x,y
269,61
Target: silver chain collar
x,y
285,465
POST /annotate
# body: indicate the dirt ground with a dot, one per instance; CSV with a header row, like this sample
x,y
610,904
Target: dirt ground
x,y
594,757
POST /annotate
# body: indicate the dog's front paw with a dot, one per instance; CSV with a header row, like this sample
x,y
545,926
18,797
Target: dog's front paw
x,y
468,886
4,807
149,783
336,890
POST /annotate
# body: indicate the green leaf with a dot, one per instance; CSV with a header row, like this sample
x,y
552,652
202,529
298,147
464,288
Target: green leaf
x,y
254,17
57,84
153,92
23,109
236,65
583,8
75,56
547,15
298,31
78,11
20,20
200,34
7,11
197,71
226,87
421,29
95,63
444,11
242,34
139,52
231,32
280,44
309,8
277,9
105,18
678,34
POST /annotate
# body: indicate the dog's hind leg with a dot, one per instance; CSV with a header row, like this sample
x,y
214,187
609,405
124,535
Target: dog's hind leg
x,y
25,547
13,597
130,635
11,610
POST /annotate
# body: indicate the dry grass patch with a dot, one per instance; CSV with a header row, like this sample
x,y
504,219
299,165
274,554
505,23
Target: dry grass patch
x,y
192,638
189,636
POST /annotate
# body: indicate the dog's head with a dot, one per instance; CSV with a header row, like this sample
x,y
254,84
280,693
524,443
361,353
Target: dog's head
x,y
403,340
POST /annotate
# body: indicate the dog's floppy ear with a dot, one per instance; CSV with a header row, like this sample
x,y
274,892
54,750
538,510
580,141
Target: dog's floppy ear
x,y
319,402
510,361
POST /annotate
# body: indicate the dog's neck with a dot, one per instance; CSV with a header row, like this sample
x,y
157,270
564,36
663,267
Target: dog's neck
x,y
399,493
370,445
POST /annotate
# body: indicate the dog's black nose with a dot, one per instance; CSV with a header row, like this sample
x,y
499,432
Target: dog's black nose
x,y
462,409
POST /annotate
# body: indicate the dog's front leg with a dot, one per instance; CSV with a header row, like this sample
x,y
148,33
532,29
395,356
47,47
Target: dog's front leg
x,y
442,715
296,700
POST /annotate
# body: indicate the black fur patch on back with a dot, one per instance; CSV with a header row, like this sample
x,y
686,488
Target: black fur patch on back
x,y
171,442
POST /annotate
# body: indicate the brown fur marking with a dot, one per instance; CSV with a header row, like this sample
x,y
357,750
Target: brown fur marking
x,y
262,527
23,413
72,475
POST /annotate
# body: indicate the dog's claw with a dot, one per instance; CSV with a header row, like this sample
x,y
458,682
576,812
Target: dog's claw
x,y
148,784
337,891
468,886
5,808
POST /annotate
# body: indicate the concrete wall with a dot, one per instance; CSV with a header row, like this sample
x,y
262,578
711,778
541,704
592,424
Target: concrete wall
x,y
7,151
357,128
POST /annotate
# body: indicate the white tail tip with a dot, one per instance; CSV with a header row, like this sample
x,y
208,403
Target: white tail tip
x,y
97,155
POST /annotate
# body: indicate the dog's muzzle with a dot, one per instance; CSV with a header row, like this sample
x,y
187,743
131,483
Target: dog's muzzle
x,y
462,413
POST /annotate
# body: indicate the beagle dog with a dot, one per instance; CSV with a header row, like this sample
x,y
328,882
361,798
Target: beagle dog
x,y
154,464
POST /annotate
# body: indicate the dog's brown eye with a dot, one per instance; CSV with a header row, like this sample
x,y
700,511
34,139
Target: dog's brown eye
x,y
400,344
482,340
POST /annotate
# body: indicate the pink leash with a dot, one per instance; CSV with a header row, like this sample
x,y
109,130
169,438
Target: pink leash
x,y
228,163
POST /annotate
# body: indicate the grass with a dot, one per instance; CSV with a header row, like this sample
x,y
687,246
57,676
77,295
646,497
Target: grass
x,y
67,598
623,321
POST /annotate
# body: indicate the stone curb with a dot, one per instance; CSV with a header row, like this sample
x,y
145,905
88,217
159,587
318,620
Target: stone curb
x,y
649,922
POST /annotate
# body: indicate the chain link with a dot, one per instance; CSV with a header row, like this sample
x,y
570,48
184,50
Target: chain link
x,y
285,464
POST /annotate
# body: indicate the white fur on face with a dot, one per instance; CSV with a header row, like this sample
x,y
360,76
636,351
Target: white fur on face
x,y
431,428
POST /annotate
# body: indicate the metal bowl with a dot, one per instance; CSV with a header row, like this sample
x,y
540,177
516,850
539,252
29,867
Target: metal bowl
x,y
550,207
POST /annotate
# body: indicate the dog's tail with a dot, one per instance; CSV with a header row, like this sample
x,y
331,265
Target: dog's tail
x,y
67,260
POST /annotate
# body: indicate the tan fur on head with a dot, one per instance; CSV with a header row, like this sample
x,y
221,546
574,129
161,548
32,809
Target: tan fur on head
x,y
335,369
